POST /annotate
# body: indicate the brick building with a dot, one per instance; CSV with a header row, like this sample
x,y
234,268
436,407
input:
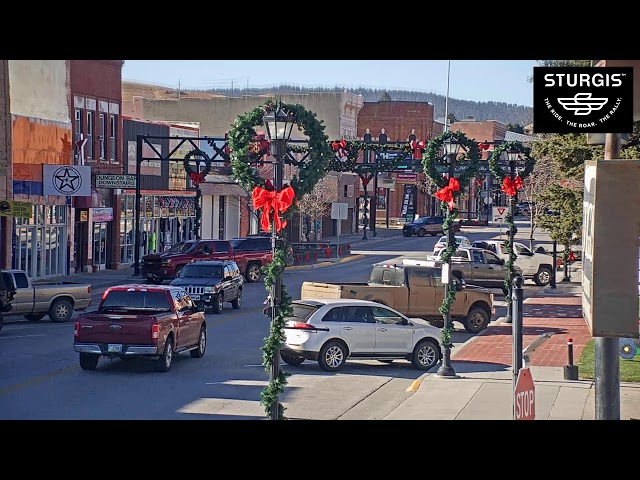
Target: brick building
x,y
96,99
399,121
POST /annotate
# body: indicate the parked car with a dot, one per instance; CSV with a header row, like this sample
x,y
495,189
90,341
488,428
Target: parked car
x,y
212,283
158,267
153,322
7,294
331,331
36,300
535,266
427,225
253,253
442,243
412,290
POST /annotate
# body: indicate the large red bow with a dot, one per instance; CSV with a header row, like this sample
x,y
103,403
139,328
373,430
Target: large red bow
x,y
196,178
269,200
446,194
339,148
418,148
511,186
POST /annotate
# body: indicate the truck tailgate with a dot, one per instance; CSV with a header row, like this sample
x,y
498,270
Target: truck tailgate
x,y
114,328
321,290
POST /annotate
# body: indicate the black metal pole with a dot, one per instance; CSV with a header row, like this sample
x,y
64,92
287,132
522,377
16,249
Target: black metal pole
x,y
565,261
278,151
365,208
446,369
555,264
386,204
374,202
138,200
517,296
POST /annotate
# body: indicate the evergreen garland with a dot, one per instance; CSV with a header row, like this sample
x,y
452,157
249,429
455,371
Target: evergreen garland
x,y
203,173
311,169
527,162
431,158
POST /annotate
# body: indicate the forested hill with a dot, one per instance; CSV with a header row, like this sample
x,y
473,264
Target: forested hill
x,y
461,109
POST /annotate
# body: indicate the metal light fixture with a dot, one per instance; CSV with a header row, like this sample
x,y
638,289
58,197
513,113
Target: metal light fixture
x,y
279,124
512,154
451,147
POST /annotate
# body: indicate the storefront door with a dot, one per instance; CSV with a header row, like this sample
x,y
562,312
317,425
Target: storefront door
x,y
100,245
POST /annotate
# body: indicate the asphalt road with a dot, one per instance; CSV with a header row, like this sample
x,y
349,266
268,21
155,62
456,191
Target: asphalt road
x,y
40,377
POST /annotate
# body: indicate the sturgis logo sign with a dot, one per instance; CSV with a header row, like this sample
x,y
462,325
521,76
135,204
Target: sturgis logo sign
x,y
583,99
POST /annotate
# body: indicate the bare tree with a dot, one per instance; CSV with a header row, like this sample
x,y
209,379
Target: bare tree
x,y
317,203
544,174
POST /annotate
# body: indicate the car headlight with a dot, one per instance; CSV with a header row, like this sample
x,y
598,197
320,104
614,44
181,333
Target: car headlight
x,y
208,289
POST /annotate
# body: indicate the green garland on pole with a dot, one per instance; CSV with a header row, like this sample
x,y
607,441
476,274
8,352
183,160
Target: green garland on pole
x,y
528,162
433,157
197,177
242,141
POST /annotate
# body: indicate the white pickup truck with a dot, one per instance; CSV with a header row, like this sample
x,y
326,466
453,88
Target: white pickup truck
x,y
536,266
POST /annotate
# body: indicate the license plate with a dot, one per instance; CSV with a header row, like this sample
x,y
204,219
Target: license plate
x,y
194,297
117,347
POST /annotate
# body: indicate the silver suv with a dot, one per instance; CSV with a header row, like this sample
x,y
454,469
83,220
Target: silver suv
x,y
330,331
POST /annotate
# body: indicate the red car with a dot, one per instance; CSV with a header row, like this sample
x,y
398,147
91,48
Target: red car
x,y
147,321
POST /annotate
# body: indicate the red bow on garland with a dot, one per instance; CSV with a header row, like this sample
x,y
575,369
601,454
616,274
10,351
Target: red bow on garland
x,y
261,144
418,148
446,194
269,200
483,146
339,148
196,178
511,186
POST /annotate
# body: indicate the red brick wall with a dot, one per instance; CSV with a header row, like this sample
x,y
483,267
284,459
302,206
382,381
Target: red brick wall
x,y
397,118
97,78
489,131
245,215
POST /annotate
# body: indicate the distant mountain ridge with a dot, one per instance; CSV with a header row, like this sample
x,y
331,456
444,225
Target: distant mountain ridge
x,y
461,109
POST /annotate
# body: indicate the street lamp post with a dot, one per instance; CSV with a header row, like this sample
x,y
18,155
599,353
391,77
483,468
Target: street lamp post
x,y
512,156
451,148
279,125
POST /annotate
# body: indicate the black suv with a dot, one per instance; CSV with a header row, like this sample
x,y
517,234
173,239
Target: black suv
x,y
211,283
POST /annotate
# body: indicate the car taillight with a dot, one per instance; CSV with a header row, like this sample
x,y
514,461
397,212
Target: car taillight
x,y
89,289
302,325
75,329
155,331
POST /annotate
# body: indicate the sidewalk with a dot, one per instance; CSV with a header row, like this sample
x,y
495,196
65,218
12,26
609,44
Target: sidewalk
x,y
484,387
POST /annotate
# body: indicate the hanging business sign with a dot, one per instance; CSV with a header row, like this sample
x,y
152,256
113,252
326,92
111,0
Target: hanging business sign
x,y
66,180
11,208
115,181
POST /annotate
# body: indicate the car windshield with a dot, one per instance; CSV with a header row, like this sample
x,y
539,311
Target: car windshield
x,y
201,271
129,300
181,247
383,275
443,239
303,311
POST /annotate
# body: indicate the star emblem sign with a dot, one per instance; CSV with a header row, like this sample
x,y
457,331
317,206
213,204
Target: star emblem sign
x,y
67,180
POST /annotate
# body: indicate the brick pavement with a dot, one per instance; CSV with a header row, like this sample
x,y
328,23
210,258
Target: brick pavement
x,y
557,314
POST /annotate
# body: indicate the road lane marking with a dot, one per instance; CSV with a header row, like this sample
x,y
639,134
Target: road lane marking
x,y
22,336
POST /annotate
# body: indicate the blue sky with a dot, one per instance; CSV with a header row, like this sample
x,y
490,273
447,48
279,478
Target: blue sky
x,y
477,80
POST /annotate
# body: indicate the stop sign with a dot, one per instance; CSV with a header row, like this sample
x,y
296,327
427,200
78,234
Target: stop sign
x,y
524,397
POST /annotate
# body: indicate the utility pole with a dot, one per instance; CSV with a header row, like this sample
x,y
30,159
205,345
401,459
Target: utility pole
x,y
607,361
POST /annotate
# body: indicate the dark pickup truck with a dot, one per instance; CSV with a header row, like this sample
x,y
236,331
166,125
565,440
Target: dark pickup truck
x,y
141,321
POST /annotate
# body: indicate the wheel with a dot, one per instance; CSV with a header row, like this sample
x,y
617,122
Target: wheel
x,y
218,303
422,232
235,303
252,274
34,317
386,361
406,234
88,361
291,359
332,356
202,344
61,310
543,277
425,355
163,364
476,321
433,234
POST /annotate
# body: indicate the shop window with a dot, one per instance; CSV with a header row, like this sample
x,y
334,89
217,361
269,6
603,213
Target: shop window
x,y
91,116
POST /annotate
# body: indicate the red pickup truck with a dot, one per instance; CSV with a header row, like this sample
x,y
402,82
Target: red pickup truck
x,y
158,267
141,321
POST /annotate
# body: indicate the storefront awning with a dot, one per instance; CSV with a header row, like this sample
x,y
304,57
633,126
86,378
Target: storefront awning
x,y
225,189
